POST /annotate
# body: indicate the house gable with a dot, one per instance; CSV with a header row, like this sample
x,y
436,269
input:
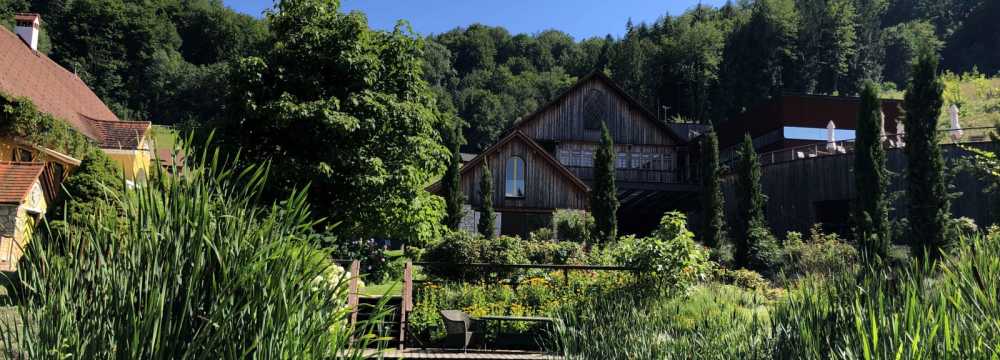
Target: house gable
x,y
548,185
576,115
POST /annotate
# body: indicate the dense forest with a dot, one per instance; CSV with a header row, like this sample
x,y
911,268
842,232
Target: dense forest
x,y
166,60
343,105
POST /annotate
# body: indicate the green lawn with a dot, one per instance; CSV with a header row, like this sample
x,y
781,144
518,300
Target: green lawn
x,y
978,99
164,137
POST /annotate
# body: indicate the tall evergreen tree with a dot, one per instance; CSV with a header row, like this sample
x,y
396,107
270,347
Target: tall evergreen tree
x,y
604,196
451,182
755,245
487,224
871,213
928,207
713,231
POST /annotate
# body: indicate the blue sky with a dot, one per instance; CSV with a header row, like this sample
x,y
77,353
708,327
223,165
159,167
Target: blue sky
x,y
579,18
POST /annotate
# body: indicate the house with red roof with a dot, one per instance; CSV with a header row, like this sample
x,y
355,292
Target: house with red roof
x,y
31,175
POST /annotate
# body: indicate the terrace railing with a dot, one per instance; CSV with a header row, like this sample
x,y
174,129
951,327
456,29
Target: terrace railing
x,y
820,149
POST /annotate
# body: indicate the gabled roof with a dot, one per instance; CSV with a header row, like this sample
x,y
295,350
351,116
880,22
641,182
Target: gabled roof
x,y
54,90
600,76
518,135
121,134
17,179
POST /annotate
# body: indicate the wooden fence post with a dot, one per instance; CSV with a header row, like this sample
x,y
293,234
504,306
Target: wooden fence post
x,y
406,305
352,291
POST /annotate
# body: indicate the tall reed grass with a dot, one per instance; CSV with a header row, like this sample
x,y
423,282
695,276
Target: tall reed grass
x,y
184,267
946,310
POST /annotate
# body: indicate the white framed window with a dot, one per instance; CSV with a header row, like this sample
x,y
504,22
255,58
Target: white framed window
x,y
514,184
622,162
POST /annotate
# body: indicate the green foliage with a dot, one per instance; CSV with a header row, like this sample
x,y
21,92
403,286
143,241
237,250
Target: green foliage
x,y
755,247
462,247
543,234
926,190
553,252
160,60
572,225
670,257
604,195
827,43
713,219
89,189
944,311
871,178
20,119
711,321
487,222
451,183
904,43
345,109
538,294
819,255
184,267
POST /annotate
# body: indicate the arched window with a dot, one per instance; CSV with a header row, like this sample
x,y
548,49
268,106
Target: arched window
x,y
515,177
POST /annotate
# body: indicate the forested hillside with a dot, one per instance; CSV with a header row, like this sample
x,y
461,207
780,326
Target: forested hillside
x,y
708,63
158,60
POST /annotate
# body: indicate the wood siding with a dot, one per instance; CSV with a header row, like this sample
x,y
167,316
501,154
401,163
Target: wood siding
x,y
564,121
795,188
545,187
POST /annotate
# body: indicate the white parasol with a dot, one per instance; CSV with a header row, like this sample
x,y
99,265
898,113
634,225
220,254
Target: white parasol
x,y
956,128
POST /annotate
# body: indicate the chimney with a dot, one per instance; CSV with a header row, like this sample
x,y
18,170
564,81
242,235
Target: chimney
x,y
28,27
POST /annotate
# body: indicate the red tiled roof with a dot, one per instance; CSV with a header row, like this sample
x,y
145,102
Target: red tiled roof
x,y
120,134
17,179
59,92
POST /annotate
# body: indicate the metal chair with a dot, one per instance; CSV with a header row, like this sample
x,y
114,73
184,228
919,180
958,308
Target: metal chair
x,y
458,326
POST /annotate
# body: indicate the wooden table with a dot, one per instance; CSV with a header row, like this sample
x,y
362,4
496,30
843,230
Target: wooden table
x,y
501,319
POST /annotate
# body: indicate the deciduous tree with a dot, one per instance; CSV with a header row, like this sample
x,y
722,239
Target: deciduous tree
x,y
344,109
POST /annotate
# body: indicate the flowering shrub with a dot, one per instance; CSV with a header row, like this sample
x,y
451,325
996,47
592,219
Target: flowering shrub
x,y
670,257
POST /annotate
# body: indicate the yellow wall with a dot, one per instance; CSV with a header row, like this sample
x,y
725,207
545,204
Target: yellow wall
x,y
11,248
134,163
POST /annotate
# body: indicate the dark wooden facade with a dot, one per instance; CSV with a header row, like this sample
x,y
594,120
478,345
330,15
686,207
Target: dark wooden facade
x,y
547,187
820,190
557,143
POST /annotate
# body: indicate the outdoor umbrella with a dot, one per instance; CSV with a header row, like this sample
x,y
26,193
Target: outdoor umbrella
x,y
831,138
956,128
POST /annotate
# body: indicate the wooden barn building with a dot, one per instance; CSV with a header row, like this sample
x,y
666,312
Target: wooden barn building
x,y
545,161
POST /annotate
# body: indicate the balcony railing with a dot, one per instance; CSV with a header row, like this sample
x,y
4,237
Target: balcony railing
x,y
820,149
633,175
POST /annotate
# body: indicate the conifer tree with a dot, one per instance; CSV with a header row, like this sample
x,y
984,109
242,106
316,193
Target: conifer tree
x,y
755,246
871,212
451,182
487,224
926,191
604,196
713,232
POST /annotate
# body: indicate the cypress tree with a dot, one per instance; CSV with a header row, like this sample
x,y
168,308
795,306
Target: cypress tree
x,y
755,246
451,182
871,212
928,202
604,196
713,222
487,224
